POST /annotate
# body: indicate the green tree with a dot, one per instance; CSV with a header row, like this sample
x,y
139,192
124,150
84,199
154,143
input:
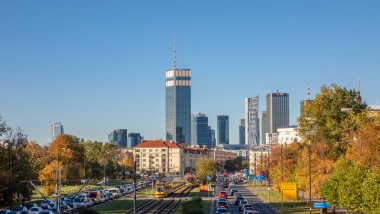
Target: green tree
x,y
323,120
371,190
206,166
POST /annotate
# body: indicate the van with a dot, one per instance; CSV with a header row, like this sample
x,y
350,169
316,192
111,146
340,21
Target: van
x,y
115,192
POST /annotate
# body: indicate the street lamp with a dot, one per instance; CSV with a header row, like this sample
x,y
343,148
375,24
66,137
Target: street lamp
x,y
309,177
58,177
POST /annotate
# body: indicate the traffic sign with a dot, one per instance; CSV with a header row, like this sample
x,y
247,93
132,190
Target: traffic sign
x,y
321,205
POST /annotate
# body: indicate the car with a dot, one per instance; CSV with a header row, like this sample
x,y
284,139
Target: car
x,y
5,211
222,194
35,210
47,212
246,206
221,210
222,199
238,199
241,203
222,204
20,209
30,205
248,210
44,204
232,191
66,209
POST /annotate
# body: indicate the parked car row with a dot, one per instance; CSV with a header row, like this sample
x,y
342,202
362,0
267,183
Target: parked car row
x,y
81,200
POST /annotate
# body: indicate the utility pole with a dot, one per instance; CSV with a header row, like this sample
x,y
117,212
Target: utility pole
x,y
309,178
134,186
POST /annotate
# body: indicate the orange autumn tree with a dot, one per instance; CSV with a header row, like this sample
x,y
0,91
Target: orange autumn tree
x,y
49,178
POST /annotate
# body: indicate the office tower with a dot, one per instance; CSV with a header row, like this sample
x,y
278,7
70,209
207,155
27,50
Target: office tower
x,y
134,139
193,130
277,111
202,130
263,126
213,140
178,104
223,129
118,137
252,120
56,129
242,132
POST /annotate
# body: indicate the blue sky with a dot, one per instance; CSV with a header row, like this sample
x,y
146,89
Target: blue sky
x,y
96,66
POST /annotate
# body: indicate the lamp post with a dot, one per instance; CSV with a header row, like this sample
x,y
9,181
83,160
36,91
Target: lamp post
x,y
58,177
309,177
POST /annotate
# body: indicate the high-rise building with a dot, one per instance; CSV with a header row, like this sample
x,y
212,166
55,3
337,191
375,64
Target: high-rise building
x,y
277,111
252,120
308,101
213,140
223,129
202,130
178,104
118,137
242,132
263,126
134,139
193,130
56,129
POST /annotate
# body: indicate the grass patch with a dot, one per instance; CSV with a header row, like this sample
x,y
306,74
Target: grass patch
x,y
118,206
289,206
206,205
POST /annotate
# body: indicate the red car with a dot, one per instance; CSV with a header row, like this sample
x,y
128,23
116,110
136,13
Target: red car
x,y
222,194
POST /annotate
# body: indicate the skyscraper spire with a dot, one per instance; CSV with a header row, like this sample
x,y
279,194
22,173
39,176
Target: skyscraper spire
x,y
308,91
175,56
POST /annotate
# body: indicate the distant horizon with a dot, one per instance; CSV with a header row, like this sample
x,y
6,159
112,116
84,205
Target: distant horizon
x,y
101,66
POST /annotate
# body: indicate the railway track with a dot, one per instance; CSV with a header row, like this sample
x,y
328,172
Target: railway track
x,y
166,205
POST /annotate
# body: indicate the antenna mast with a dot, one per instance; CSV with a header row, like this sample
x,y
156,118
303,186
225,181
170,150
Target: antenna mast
x,y
308,91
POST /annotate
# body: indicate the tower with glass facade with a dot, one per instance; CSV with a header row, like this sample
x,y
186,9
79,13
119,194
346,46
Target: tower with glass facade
x,y
223,129
178,105
252,120
242,132
202,131
263,126
56,129
118,137
277,111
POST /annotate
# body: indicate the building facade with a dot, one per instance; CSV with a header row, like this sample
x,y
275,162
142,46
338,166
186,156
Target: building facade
x,y
119,137
242,132
202,131
223,129
258,159
56,129
277,111
178,105
263,127
168,157
288,136
134,139
252,120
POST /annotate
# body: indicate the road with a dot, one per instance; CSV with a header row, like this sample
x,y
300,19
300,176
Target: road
x,y
248,195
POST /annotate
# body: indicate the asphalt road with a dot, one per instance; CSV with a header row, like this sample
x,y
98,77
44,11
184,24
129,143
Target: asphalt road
x,y
248,195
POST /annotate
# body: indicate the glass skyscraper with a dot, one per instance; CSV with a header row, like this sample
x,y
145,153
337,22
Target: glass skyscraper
x,y
223,129
178,105
56,129
202,131
118,137
277,111
242,132
252,120
134,139
263,126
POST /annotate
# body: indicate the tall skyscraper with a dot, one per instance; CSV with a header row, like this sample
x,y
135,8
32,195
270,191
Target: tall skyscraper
x,y
252,120
308,101
118,137
56,129
202,131
213,140
193,130
178,104
277,111
242,132
263,126
223,129
134,139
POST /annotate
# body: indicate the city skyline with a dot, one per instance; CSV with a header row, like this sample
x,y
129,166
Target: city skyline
x,y
69,61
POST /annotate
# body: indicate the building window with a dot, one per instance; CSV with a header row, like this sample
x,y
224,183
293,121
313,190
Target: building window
x,y
163,150
143,150
150,150
137,150
156,150
143,155
144,160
